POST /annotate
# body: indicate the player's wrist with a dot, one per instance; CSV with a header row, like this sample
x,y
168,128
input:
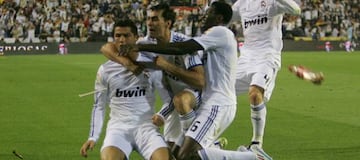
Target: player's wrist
x,y
92,139
162,117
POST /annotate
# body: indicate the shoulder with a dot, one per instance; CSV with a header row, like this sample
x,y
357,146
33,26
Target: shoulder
x,y
218,31
103,67
238,4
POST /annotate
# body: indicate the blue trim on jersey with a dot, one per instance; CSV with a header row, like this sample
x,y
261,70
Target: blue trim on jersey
x,y
194,66
198,101
178,38
167,110
93,114
192,62
208,123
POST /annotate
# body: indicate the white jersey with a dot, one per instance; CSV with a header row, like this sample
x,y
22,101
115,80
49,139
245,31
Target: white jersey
x,y
219,58
261,23
173,84
130,98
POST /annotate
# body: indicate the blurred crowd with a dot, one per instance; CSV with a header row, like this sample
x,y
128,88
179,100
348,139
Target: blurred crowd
x,y
93,20
325,18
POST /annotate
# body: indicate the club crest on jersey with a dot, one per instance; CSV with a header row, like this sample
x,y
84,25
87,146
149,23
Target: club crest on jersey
x,y
263,4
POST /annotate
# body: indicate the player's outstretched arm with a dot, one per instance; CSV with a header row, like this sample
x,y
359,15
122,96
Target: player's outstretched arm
x,y
176,48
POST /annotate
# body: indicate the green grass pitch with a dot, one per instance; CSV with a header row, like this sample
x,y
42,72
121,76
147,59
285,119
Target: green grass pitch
x,y
42,117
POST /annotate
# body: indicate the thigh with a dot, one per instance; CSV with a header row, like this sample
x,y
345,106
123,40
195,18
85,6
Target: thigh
x,y
162,153
242,82
148,139
112,153
265,79
117,139
210,123
243,79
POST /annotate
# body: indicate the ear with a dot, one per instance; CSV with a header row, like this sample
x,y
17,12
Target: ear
x,y
168,23
136,37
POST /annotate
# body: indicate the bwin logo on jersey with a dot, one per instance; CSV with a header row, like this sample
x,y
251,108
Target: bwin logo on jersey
x,y
130,93
257,21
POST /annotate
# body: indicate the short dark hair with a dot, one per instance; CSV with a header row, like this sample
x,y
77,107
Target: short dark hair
x,y
223,9
126,23
167,12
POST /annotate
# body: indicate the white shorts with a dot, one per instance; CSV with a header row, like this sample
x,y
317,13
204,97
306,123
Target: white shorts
x,y
144,139
172,127
210,123
259,74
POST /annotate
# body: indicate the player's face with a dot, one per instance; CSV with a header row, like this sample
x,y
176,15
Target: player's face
x,y
123,35
157,25
209,20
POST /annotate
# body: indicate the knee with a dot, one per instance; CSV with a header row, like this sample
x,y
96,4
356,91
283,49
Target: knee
x,y
183,102
256,95
161,154
177,100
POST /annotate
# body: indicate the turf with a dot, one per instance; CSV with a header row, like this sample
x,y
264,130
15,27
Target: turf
x,y
43,118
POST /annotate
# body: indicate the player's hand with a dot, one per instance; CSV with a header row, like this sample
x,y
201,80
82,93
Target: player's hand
x,y
128,64
86,146
157,120
125,50
136,69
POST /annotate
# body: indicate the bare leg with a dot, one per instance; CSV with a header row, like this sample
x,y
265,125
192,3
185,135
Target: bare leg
x,y
189,150
161,154
112,153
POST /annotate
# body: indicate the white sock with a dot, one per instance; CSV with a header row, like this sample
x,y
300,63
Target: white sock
x,y
258,120
219,154
187,119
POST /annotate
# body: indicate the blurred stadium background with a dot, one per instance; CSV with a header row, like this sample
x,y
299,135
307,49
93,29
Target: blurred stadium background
x,y
52,22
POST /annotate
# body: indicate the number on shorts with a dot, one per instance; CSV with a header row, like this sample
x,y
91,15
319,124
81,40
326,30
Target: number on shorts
x,y
194,126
